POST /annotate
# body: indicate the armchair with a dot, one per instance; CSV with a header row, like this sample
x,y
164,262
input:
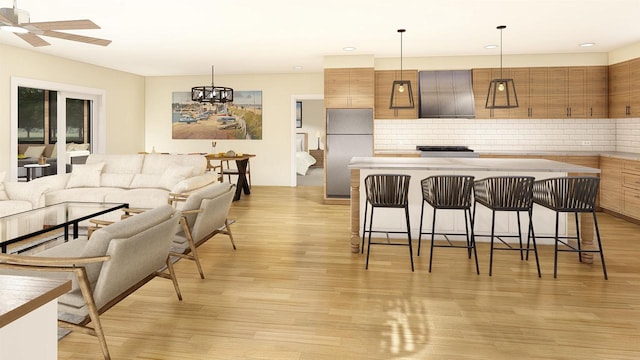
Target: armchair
x,y
204,214
116,261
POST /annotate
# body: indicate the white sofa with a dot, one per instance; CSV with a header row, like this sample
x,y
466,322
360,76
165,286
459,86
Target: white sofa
x,y
141,180
17,197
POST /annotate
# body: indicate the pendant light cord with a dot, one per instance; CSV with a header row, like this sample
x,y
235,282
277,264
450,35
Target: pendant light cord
x,y
501,77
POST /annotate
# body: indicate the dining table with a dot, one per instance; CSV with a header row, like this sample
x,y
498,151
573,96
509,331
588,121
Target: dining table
x,y
242,160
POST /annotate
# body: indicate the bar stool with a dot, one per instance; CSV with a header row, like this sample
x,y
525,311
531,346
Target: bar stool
x,y
386,191
449,192
573,194
507,193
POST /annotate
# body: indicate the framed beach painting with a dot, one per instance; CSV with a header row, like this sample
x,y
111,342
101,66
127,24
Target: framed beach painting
x,y
241,119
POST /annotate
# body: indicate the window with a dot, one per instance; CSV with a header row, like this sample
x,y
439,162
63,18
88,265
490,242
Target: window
x,y
31,119
37,117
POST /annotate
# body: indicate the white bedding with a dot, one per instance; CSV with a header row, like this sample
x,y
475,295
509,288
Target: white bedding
x,y
303,161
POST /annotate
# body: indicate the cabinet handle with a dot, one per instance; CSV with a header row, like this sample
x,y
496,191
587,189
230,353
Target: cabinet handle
x,y
568,112
590,112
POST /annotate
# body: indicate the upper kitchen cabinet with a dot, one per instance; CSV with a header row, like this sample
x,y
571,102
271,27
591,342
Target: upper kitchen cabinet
x,y
567,90
531,89
597,92
349,88
624,89
384,80
481,79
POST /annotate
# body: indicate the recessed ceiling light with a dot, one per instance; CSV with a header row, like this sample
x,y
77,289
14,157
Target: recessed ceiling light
x,y
588,44
14,29
491,47
298,67
348,48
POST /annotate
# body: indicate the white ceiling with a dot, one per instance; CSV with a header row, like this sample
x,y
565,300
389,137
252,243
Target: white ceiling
x,y
160,37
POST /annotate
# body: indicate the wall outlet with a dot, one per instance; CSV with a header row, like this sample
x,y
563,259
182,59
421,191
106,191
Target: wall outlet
x,y
586,143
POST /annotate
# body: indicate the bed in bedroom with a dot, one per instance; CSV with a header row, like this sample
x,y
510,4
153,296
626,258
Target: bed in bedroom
x,y
303,159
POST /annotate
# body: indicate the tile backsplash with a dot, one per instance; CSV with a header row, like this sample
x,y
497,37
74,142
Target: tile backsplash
x,y
511,134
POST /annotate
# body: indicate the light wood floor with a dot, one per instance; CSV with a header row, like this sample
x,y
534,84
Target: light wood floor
x,y
293,290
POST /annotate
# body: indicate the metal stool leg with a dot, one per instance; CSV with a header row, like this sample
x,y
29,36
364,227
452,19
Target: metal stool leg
x,y
604,267
433,230
406,211
420,233
493,224
369,242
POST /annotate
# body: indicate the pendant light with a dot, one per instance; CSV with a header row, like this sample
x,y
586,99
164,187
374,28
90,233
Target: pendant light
x,y
502,92
401,93
212,94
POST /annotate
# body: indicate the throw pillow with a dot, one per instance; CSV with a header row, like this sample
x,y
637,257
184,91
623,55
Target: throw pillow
x,y
87,175
173,175
54,152
34,151
3,193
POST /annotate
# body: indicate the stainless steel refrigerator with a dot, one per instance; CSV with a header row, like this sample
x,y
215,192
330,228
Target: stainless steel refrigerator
x,y
349,134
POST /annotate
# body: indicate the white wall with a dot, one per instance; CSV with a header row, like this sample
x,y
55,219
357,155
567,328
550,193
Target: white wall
x,y
124,95
272,164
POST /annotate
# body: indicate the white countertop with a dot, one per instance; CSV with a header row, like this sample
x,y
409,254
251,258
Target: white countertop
x,y
467,164
614,154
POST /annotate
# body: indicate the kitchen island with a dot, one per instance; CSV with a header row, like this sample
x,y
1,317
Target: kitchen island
x,y
420,168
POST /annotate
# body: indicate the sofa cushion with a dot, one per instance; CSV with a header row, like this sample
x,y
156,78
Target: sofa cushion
x,y
139,198
79,194
14,206
50,151
173,175
87,175
116,180
3,194
34,151
118,164
158,163
195,182
145,181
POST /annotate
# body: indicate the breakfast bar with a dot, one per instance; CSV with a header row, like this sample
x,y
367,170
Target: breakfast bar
x,y
420,168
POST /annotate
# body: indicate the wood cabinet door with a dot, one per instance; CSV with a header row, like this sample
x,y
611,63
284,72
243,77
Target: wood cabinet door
x,y
611,184
597,92
521,82
383,84
577,91
538,92
619,81
481,79
349,88
557,92
504,73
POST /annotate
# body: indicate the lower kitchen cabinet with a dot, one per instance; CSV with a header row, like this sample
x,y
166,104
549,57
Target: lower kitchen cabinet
x,y
631,188
611,184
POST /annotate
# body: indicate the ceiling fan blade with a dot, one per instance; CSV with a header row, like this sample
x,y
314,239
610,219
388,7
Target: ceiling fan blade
x,y
74,37
33,39
64,25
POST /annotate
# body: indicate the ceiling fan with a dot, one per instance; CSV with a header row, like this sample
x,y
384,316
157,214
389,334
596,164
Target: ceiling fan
x,y
17,21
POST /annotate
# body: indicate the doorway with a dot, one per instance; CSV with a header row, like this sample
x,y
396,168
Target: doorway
x,y
73,114
308,140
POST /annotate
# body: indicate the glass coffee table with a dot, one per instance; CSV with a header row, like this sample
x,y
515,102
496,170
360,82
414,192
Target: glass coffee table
x,y
29,229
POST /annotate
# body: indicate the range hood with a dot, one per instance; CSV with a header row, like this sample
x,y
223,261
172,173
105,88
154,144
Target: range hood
x,y
446,94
